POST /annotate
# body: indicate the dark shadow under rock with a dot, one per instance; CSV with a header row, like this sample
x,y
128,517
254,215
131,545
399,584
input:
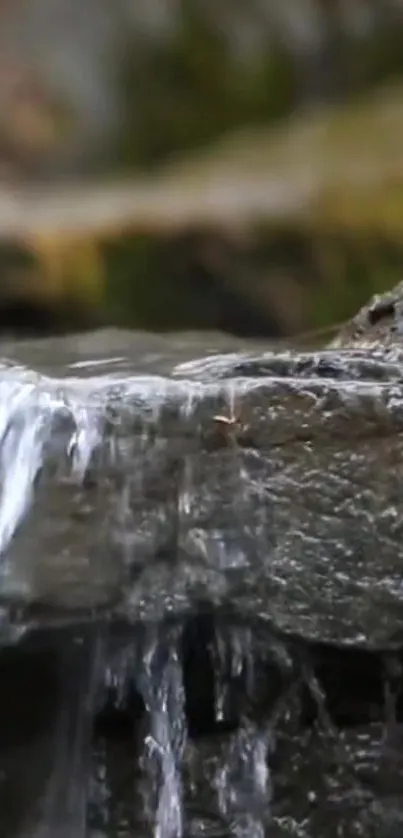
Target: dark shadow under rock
x,y
78,708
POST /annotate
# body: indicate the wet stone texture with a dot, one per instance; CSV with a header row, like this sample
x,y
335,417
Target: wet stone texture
x,y
274,493
197,729
201,586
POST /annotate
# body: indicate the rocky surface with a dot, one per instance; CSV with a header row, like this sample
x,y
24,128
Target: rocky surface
x,y
378,326
210,554
143,484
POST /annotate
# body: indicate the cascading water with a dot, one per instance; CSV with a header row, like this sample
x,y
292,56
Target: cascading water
x,y
127,511
23,431
243,783
159,678
29,414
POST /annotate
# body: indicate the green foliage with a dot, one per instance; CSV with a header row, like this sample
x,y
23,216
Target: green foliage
x,y
146,288
149,285
348,270
324,259
191,90
187,91
377,57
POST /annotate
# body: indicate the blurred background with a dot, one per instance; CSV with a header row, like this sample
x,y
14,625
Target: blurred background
x,y
190,164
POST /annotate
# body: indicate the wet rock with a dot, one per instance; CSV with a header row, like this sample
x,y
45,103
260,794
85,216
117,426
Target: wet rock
x,y
140,484
378,325
109,744
210,553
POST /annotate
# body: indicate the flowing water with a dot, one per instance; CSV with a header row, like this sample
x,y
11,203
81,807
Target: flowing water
x,y
197,724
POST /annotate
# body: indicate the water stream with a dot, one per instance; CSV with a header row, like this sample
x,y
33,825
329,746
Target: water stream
x,y
131,702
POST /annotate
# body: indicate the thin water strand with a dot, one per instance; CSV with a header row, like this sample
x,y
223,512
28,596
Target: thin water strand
x,y
161,685
233,660
242,781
